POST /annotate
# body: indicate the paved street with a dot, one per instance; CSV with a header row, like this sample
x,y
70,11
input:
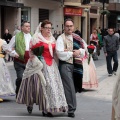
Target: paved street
x,y
95,104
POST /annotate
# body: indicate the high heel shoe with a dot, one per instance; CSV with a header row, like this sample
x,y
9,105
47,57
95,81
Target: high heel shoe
x,y
48,114
29,109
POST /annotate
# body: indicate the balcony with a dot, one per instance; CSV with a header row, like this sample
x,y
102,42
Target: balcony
x,y
99,3
96,2
75,3
11,3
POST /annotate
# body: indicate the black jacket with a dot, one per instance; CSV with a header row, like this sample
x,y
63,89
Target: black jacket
x,y
111,43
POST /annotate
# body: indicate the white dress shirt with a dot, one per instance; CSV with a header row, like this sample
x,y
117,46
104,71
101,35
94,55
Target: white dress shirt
x,y
66,55
11,45
62,55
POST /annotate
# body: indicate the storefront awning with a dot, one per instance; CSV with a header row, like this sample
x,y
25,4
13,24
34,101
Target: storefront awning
x,y
11,4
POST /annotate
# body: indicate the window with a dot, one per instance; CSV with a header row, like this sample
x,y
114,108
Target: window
x,y
25,14
43,14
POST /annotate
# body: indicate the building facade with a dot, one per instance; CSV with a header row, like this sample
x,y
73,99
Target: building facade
x,y
86,16
9,15
32,11
114,8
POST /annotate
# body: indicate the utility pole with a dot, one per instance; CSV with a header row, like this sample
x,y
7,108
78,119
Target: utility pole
x,y
103,14
103,31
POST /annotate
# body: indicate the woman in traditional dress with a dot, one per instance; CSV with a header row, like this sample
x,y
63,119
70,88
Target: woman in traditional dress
x,y
116,101
6,87
41,82
89,71
95,40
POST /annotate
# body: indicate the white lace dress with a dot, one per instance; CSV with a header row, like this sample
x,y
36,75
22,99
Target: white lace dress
x,y
6,87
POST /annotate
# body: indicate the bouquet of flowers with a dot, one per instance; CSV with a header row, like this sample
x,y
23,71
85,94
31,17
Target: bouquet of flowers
x,y
90,50
38,51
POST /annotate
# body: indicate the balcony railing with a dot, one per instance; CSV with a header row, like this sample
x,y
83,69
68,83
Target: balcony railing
x,y
95,1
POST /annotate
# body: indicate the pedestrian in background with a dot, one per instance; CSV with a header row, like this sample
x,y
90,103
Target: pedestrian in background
x,y
111,46
19,49
59,33
18,29
95,41
55,34
41,82
7,37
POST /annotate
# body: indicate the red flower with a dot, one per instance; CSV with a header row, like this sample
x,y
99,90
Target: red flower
x,y
90,50
91,47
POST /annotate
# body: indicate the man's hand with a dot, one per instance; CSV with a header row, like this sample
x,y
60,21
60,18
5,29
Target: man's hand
x,y
76,53
106,54
16,56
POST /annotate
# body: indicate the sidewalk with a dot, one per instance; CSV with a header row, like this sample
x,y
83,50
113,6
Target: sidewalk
x,y
96,104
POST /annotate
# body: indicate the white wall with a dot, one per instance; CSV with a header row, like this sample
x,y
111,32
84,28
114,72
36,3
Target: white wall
x,y
56,17
55,12
34,19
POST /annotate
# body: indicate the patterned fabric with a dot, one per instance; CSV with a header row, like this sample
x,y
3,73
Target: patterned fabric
x,y
20,45
77,44
68,44
54,89
6,87
31,92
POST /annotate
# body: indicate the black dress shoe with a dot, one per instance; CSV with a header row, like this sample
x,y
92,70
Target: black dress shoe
x,y
84,90
29,109
64,110
49,114
44,114
71,115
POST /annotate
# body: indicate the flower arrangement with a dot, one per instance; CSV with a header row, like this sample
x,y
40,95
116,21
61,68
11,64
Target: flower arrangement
x,y
38,51
90,50
105,12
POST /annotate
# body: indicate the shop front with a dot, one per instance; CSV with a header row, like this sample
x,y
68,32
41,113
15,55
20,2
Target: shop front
x,y
80,18
8,15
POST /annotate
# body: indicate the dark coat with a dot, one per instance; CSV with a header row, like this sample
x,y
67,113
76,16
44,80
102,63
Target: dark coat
x,y
7,37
